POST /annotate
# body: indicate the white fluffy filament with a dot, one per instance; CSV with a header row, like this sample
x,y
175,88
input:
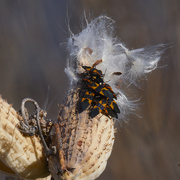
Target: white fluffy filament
x,y
133,64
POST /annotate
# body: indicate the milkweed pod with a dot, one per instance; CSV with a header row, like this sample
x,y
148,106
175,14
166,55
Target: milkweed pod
x,y
20,155
84,143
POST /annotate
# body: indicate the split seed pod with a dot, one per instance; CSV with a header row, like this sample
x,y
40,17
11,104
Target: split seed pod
x,y
20,155
86,144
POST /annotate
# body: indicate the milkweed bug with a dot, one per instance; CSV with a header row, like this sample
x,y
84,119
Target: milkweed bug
x,y
113,105
86,101
111,112
93,71
109,87
98,108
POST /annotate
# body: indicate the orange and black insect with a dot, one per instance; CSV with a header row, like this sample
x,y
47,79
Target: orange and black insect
x,y
93,74
99,88
93,71
110,89
86,101
113,105
110,112
98,96
104,106
98,107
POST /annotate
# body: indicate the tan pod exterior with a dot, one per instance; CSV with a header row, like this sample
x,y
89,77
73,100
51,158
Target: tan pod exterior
x,y
86,143
20,156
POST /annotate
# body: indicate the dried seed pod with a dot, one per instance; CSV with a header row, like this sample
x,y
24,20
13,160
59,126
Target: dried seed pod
x,y
20,155
83,144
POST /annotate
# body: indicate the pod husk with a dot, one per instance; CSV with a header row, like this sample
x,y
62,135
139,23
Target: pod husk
x,y
20,155
86,143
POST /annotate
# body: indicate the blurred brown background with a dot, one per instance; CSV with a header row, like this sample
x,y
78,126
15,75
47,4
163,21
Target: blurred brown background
x,y
31,59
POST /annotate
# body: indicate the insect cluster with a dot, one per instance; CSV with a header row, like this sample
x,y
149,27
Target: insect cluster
x,y
96,94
